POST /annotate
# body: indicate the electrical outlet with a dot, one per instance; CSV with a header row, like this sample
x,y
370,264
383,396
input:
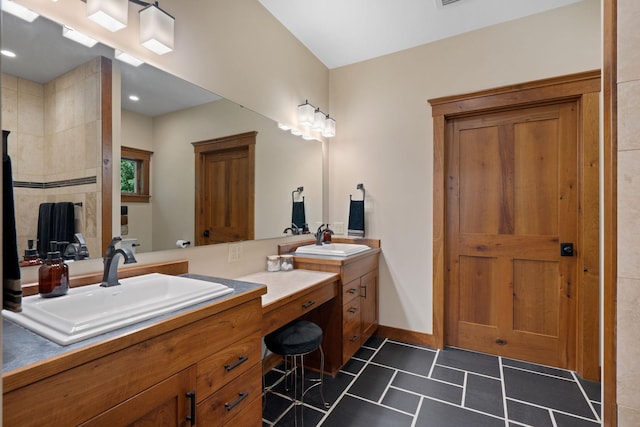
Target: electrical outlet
x,y
235,252
338,228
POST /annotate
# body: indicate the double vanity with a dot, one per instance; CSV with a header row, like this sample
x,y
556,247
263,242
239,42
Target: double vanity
x,y
198,364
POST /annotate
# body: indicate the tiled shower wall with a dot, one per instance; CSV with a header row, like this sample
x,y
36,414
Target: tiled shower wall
x,y
628,333
55,138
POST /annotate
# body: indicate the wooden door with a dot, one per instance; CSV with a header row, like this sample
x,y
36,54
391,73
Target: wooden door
x,y
224,200
511,201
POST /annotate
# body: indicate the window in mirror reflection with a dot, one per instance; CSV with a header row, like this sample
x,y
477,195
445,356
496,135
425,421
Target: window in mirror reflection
x,y
134,174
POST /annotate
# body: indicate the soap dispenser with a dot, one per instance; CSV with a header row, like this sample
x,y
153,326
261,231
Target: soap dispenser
x,y
30,256
53,275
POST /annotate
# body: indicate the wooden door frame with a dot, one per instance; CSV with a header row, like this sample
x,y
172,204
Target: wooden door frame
x,y
584,88
231,142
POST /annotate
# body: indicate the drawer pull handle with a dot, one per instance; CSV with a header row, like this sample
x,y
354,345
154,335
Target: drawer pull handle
x,y
192,406
309,304
363,291
353,310
355,338
240,361
352,291
241,397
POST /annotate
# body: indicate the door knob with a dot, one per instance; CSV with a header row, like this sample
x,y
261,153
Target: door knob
x,y
206,233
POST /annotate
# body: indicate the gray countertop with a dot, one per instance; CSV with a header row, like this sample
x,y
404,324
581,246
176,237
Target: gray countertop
x,y
21,347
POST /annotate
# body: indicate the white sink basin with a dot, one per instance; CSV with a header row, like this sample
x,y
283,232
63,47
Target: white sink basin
x,y
332,249
91,310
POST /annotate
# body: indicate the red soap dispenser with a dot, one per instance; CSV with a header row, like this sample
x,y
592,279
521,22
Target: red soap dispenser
x,y
53,275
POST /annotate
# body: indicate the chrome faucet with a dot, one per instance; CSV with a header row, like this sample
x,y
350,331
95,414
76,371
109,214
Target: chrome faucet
x,y
320,234
111,258
295,230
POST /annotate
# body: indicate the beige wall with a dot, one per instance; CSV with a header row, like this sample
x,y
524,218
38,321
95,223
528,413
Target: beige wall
x,y
628,333
54,137
385,139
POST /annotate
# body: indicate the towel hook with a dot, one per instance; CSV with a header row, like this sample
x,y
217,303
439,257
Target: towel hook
x,y
297,190
358,187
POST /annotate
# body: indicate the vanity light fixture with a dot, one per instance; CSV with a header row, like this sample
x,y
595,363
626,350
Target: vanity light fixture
x,y
296,132
156,25
283,126
129,59
19,10
308,137
111,14
78,37
305,114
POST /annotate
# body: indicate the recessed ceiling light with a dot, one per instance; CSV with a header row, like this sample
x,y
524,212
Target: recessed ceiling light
x,y
134,97
8,53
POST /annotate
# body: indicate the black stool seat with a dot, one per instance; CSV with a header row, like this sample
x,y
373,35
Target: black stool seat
x,y
298,337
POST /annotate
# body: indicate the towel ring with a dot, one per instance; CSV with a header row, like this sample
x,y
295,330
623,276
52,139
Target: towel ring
x,y
358,187
297,190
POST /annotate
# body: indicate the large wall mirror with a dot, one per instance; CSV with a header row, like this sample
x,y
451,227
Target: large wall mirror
x,y
51,104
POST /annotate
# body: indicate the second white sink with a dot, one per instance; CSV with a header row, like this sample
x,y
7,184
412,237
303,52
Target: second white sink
x,y
332,249
91,310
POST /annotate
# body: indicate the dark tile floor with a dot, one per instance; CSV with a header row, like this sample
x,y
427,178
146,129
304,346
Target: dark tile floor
x,y
393,384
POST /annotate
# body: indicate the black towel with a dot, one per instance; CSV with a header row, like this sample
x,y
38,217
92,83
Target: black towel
x,y
297,215
11,286
45,228
63,222
356,218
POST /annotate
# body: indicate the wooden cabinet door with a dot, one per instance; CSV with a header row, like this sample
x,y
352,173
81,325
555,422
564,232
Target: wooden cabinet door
x,y
165,404
512,199
368,305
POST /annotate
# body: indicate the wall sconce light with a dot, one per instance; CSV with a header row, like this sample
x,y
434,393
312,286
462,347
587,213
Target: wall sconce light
x,y
156,25
329,130
318,121
78,37
156,29
111,14
19,10
129,59
305,114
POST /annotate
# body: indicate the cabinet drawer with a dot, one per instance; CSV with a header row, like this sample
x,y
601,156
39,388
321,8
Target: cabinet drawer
x,y
219,369
350,342
232,399
350,291
358,268
351,314
250,416
273,319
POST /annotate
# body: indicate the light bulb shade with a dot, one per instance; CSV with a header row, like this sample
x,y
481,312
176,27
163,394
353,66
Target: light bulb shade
x,y
156,29
19,10
329,128
111,14
78,37
318,121
306,114
129,59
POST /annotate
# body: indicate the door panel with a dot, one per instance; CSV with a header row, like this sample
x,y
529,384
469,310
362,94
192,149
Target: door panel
x,y
511,200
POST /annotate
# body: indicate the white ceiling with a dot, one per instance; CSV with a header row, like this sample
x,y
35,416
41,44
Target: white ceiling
x,y
342,32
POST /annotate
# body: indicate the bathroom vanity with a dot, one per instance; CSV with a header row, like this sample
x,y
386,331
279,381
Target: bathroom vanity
x,y
353,318
199,365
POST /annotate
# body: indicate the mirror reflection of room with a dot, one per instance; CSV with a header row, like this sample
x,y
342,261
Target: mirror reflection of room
x,y
54,112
